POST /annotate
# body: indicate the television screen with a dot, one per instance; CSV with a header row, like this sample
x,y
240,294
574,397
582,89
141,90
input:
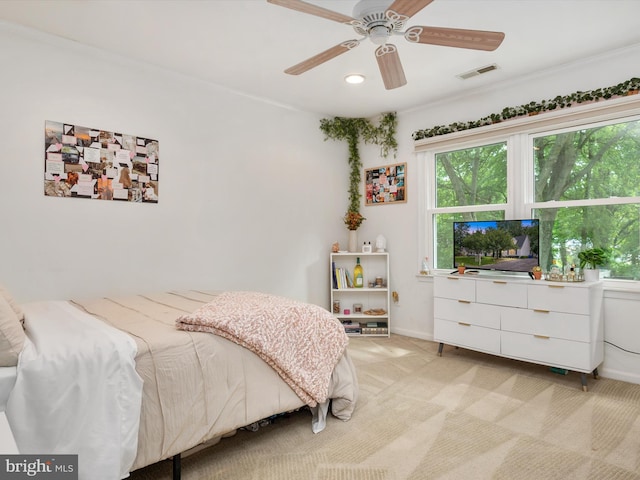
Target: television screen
x,y
505,245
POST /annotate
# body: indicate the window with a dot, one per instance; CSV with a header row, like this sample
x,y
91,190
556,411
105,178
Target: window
x,y
587,194
582,182
473,176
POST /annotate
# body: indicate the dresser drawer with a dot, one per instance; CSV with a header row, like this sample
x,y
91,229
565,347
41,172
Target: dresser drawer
x,y
500,292
559,298
466,335
457,288
548,351
467,312
567,326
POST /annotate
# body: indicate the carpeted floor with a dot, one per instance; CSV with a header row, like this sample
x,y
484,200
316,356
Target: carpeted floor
x,y
464,415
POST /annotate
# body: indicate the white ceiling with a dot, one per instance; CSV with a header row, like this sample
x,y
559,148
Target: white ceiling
x,y
245,45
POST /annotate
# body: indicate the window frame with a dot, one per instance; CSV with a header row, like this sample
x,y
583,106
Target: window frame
x,y
518,134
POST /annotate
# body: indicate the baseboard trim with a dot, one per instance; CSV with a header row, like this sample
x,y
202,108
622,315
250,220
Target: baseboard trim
x,y
412,333
619,375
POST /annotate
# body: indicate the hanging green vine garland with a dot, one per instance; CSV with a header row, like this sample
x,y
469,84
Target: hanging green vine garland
x,y
352,130
532,108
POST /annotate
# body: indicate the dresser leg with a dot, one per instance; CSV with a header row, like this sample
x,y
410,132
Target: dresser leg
x,y
440,349
595,373
583,380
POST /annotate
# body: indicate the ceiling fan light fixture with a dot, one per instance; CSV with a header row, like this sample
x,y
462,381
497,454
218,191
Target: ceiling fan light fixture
x,y
379,34
354,78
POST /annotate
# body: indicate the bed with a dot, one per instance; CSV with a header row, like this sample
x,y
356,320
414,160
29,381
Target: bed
x,y
126,382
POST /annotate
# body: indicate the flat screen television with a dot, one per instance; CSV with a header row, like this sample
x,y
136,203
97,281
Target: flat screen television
x,y
501,245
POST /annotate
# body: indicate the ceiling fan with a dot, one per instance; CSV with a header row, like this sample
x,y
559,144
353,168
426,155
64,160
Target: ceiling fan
x,y
377,20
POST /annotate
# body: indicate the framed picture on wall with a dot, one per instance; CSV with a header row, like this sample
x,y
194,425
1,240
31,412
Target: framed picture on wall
x,y
385,184
83,162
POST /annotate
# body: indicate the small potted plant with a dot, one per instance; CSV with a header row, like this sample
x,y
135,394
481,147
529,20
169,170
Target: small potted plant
x,y
537,272
590,260
461,268
353,219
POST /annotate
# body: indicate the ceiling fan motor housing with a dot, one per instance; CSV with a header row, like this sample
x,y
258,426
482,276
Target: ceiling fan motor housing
x,y
373,20
371,8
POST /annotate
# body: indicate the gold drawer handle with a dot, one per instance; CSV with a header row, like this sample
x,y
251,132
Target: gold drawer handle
x,y
540,311
544,337
464,301
453,278
464,324
501,282
556,286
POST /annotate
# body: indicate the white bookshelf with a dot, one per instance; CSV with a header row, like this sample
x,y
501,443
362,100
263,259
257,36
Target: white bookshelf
x,y
372,297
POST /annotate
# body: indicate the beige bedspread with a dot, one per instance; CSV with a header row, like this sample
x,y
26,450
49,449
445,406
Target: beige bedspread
x,y
301,341
199,386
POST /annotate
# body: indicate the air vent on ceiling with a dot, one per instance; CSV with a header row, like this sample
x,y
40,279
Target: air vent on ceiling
x,y
477,71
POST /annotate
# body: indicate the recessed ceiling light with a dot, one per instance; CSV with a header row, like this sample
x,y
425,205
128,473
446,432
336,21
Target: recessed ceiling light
x,y
354,78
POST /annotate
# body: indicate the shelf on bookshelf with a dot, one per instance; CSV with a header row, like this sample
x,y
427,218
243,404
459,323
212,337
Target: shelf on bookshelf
x,y
364,289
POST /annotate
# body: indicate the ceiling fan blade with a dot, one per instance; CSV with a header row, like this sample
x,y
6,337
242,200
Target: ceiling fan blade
x,y
311,9
408,8
390,66
322,57
455,37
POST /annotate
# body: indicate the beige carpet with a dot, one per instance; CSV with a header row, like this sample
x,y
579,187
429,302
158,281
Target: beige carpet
x,y
464,415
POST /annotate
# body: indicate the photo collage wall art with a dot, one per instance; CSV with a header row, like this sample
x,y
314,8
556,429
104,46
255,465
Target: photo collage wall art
x,y
385,185
82,162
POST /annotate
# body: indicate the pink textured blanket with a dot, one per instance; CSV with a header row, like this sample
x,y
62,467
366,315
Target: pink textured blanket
x,y
302,342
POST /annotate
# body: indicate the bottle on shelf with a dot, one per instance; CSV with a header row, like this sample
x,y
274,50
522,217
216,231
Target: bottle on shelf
x,y
358,275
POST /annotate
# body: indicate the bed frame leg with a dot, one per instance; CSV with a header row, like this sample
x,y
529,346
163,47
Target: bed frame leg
x,y
176,467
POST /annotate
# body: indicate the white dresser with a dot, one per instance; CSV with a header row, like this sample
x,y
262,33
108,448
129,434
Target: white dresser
x,y
550,323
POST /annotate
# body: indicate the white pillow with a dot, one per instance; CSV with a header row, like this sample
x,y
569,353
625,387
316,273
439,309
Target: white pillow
x,y
11,335
14,305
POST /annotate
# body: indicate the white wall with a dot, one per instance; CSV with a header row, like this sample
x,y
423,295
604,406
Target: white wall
x,y
250,194
621,335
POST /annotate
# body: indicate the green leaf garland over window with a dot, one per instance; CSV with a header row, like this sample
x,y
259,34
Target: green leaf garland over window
x,y
532,108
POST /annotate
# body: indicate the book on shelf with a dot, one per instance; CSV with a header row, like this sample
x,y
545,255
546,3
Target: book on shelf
x,y
349,281
374,331
350,323
333,275
338,274
342,278
376,324
352,328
